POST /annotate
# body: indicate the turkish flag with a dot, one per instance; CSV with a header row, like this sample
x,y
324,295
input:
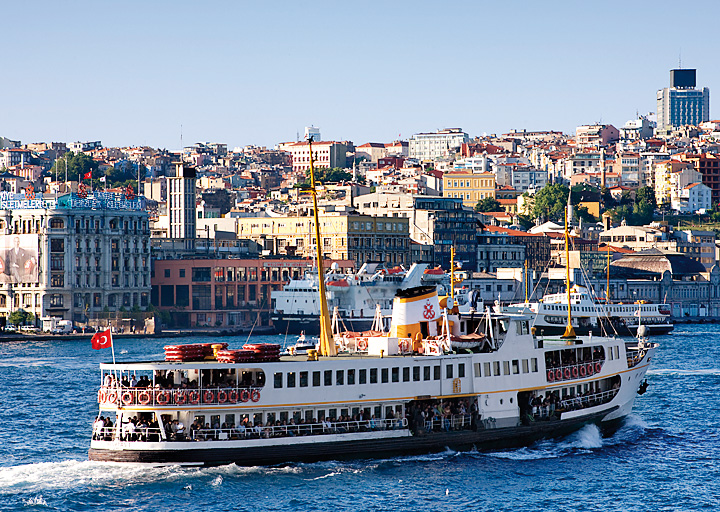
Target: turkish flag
x,y
102,340
87,175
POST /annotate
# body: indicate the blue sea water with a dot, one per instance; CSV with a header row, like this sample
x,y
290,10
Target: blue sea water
x,y
665,457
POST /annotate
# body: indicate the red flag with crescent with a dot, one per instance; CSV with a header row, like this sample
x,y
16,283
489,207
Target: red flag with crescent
x,y
102,340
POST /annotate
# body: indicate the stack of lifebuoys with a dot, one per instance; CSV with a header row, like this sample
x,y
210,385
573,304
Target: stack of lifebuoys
x,y
183,353
235,356
264,352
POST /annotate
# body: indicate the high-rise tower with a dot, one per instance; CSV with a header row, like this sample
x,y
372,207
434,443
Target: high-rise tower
x,y
681,103
181,205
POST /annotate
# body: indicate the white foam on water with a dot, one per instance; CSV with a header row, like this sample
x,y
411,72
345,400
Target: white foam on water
x,y
70,474
586,439
35,501
217,481
123,351
678,371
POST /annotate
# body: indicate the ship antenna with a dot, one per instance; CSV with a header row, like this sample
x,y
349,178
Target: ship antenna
x,y
327,343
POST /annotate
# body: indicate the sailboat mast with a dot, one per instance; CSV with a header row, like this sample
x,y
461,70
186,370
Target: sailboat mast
x,y
452,277
327,343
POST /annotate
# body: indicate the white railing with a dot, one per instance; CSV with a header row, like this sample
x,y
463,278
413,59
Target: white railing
x,y
452,422
583,402
142,434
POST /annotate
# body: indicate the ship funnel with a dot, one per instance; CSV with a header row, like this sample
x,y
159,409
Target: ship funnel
x,y
416,311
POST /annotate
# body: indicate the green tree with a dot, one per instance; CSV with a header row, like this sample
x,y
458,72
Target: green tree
x,y
489,204
329,175
21,317
550,202
78,165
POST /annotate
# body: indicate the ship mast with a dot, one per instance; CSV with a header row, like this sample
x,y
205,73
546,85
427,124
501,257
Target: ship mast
x,y
607,285
569,331
327,343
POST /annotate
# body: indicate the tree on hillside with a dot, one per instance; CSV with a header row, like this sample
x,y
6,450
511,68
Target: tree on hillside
x,y
78,165
329,175
489,204
639,212
550,202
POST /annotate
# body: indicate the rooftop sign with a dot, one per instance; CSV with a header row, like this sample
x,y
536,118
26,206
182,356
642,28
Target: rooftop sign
x,y
94,201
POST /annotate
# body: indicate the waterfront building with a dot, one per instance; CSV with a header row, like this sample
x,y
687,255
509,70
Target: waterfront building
x,y
682,104
230,293
70,257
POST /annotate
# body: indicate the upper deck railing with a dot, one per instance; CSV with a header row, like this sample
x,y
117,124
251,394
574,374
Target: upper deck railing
x,y
130,397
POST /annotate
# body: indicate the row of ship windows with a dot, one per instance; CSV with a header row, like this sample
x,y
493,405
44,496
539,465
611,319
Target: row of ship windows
x,y
373,376
492,368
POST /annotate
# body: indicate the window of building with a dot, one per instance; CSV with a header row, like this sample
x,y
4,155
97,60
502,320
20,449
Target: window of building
x,y
416,373
373,375
278,379
291,379
316,379
167,272
351,377
461,370
449,371
303,379
362,376
340,378
328,377
426,373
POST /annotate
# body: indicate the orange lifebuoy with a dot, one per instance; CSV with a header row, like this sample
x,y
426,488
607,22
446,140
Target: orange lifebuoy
x,y
255,395
233,396
101,395
558,374
582,371
221,397
362,344
112,397
162,398
208,396
244,395
143,398
550,376
194,397
598,367
590,369
567,373
404,345
127,398
180,397
574,372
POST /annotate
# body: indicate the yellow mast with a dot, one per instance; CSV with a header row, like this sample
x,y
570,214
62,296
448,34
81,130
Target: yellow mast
x,y
327,343
569,331
526,282
607,285
452,278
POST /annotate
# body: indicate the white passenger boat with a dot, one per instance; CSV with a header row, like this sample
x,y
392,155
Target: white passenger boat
x,y
407,391
594,317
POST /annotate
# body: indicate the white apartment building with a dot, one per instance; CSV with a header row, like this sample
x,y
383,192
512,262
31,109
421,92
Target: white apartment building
x,y
429,146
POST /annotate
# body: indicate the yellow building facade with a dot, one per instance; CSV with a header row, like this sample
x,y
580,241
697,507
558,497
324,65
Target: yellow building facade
x,y
470,187
360,238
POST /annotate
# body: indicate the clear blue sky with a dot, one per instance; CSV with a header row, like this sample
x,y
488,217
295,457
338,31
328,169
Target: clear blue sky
x,y
133,72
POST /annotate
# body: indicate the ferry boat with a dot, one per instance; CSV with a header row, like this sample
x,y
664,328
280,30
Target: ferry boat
x,y
407,393
594,317
355,296
417,388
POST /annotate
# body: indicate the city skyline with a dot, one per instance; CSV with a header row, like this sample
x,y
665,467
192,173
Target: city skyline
x,y
255,74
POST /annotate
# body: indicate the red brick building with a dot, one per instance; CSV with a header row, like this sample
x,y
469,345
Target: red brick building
x,y
223,292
